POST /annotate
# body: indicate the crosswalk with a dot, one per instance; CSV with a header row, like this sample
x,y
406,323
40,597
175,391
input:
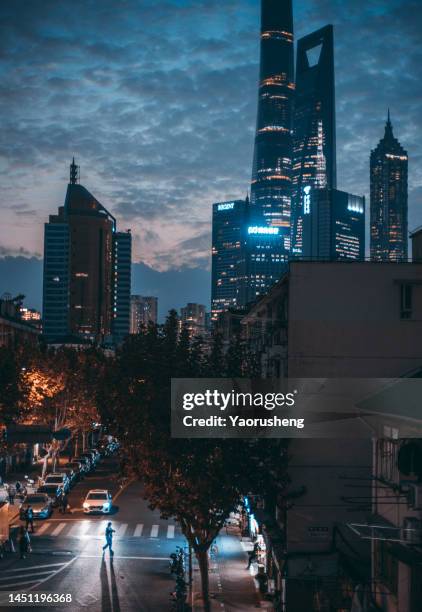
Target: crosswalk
x,y
86,529
28,576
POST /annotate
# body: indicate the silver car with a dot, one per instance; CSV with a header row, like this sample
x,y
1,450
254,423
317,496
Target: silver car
x,y
98,500
41,505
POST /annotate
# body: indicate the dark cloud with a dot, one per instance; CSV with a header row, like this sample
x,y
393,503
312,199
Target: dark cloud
x,y
157,100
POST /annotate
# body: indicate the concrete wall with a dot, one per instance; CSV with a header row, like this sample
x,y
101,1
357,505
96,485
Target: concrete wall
x,y
344,320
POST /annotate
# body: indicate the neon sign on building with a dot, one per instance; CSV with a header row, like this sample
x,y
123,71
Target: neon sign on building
x,y
226,206
307,200
263,231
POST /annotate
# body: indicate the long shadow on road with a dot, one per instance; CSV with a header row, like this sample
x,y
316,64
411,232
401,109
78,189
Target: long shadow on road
x,y
105,591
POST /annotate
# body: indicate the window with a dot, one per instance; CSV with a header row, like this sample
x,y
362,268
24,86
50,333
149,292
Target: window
x,y
406,301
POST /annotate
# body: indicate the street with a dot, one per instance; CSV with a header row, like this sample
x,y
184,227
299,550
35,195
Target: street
x,y
67,552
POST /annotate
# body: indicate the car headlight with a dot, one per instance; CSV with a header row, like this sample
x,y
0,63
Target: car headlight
x,y
85,505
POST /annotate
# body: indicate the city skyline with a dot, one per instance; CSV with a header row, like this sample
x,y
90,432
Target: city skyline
x,y
115,153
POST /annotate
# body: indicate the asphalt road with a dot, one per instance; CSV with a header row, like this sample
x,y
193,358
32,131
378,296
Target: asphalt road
x,y
67,553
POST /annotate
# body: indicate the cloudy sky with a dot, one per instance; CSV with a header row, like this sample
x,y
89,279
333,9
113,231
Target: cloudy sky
x,y
157,101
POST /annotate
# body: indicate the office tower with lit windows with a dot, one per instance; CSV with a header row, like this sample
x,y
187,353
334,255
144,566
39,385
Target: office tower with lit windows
x,y
388,207
333,225
83,269
122,272
270,201
193,316
143,311
314,135
228,223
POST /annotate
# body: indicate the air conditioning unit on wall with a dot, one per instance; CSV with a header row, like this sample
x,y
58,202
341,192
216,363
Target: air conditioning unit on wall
x,y
412,530
414,496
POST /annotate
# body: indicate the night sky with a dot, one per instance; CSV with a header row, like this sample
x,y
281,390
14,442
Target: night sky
x,y
157,102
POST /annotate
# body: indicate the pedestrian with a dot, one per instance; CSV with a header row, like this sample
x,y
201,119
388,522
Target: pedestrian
x,y
24,543
109,539
18,487
253,554
64,503
12,493
29,518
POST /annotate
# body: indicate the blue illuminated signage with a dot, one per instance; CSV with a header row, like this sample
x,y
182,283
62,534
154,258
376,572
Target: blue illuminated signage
x,y
355,204
307,200
263,231
226,206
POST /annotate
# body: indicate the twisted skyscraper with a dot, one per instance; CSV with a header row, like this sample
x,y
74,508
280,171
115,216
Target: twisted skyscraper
x,y
268,234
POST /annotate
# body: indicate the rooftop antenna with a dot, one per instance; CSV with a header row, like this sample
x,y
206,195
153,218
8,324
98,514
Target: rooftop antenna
x,y
74,173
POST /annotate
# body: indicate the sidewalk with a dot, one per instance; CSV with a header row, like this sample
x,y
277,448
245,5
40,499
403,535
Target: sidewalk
x,y
232,586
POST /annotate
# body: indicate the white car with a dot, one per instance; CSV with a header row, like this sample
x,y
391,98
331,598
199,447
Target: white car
x,y
98,500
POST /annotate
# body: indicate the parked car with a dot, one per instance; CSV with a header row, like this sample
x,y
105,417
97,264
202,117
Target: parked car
x,y
98,500
114,446
59,479
96,454
70,473
102,446
86,463
41,503
77,467
54,492
90,459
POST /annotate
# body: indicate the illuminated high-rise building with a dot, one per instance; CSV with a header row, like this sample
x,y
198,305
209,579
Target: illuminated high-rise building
x,y
388,169
86,269
228,223
270,202
193,316
143,311
314,135
333,225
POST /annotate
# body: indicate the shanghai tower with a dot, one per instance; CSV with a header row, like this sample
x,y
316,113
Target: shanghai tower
x,y
270,203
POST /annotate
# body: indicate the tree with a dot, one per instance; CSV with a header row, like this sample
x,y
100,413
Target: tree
x,y
13,391
62,388
215,362
199,482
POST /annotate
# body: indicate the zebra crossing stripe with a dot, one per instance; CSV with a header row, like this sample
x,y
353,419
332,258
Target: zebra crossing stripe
x,y
102,528
14,584
42,529
138,530
31,567
170,531
58,529
122,530
154,531
80,528
27,575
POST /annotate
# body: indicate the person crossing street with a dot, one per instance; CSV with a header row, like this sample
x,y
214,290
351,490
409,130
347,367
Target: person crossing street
x,y
29,519
109,539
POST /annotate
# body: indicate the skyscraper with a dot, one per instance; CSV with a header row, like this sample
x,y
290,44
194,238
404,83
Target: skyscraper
x,y
143,310
333,224
122,272
314,140
270,203
388,175
228,223
83,276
